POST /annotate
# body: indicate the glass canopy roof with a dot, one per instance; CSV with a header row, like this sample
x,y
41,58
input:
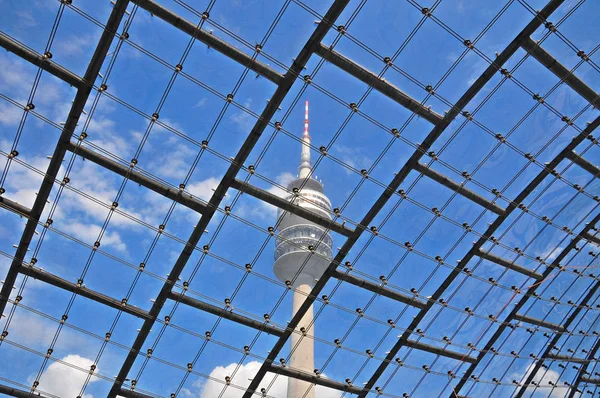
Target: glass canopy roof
x,y
146,147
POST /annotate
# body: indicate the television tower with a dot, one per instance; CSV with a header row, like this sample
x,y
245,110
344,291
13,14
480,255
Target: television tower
x,y
294,261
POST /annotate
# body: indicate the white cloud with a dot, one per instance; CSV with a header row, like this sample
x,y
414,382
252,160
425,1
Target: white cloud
x,y
90,232
100,124
102,133
10,115
26,19
99,184
158,128
353,157
551,253
542,378
178,161
5,145
13,75
264,210
203,189
16,78
283,179
242,119
64,381
76,44
23,183
37,332
211,388
201,103
47,93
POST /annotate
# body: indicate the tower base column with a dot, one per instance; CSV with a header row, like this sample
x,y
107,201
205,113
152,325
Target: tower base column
x,y
303,356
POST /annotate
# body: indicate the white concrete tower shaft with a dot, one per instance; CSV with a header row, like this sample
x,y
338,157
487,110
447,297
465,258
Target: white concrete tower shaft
x,y
303,355
303,250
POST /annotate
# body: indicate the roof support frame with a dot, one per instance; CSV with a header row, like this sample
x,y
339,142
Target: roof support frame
x,y
64,284
584,164
391,189
592,238
42,61
538,322
485,77
237,163
223,313
556,262
124,392
314,379
591,381
377,83
440,351
210,40
177,195
15,392
587,380
458,188
581,378
81,97
547,351
547,60
284,83
283,204
509,265
377,288
14,207
565,358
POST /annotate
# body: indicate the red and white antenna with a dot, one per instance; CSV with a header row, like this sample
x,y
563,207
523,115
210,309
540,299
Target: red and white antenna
x,y
305,167
306,122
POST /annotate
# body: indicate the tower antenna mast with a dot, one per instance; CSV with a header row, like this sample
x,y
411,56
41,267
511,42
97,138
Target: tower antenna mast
x,y
305,166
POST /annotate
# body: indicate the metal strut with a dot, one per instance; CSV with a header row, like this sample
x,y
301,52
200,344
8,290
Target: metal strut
x,y
263,122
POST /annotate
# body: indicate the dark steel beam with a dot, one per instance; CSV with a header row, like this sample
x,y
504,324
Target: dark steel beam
x,y
79,102
464,100
584,164
371,79
174,194
537,52
538,322
547,354
565,358
440,351
14,207
261,124
209,39
293,208
15,392
514,313
64,284
458,188
377,288
43,62
583,370
507,264
314,379
223,313
589,381
296,69
592,238
124,392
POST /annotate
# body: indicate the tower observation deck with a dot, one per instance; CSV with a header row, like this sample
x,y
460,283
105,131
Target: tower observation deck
x,y
296,235
295,262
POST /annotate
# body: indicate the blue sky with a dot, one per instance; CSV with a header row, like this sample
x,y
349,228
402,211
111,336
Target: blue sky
x,y
188,116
